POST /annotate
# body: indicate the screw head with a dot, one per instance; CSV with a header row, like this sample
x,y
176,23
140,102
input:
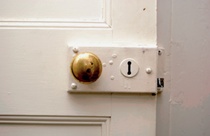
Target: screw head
x,y
159,52
75,49
112,77
148,70
111,62
73,86
114,55
104,64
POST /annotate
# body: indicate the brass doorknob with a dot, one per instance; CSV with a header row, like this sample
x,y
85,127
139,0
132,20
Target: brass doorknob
x,y
86,67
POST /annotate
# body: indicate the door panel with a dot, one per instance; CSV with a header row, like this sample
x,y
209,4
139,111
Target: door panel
x,y
51,10
54,13
53,125
52,130
34,68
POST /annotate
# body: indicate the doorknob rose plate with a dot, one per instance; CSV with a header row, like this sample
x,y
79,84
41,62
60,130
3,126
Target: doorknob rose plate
x,y
86,67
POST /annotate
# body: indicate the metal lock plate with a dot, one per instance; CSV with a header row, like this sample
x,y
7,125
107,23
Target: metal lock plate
x,y
124,70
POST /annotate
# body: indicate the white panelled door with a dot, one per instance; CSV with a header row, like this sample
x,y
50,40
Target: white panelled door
x,y
34,71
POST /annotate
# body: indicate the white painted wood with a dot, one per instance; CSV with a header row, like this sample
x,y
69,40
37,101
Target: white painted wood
x,y
133,115
138,29
34,68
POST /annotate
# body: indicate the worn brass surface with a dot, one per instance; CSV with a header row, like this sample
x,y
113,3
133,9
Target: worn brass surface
x,y
86,67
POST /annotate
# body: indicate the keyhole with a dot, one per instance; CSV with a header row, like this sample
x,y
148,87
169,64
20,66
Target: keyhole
x,y
129,67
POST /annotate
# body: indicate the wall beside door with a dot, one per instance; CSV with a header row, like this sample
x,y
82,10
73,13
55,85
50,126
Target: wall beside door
x,y
184,31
